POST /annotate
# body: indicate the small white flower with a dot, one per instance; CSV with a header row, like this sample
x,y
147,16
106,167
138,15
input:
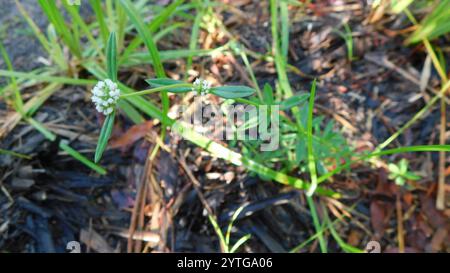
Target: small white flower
x,y
201,86
105,95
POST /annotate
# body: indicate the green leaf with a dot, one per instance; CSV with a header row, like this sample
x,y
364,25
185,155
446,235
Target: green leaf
x,y
54,15
100,18
309,143
400,181
105,133
111,57
268,94
300,150
63,145
411,176
403,166
240,242
166,81
145,34
393,168
293,101
45,78
147,37
398,6
233,92
435,24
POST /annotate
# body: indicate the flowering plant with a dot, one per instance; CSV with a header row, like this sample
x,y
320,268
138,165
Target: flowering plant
x,y
106,94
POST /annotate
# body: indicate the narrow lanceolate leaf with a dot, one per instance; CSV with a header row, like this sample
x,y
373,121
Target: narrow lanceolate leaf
x,y
233,92
111,57
166,81
293,101
105,133
268,94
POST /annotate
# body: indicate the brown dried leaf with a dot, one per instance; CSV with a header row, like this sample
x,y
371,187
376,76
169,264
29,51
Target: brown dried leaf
x,y
132,135
437,242
377,217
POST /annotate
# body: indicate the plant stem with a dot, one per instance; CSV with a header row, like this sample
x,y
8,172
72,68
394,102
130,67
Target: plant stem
x,y
157,89
316,222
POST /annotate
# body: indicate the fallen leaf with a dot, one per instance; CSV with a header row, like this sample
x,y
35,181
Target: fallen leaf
x,y
377,217
437,242
435,217
132,135
408,198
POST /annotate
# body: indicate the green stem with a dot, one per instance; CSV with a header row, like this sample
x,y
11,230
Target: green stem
x,y
157,89
316,223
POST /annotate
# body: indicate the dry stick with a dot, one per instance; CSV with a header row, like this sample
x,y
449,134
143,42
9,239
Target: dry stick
x,y
400,230
196,184
157,195
146,236
134,214
385,62
440,199
140,224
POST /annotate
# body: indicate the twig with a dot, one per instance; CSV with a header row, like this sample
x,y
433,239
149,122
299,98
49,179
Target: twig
x,y
137,206
400,230
195,183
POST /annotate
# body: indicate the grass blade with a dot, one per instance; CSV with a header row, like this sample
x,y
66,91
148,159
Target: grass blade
x,y
316,223
146,36
43,78
309,142
64,146
240,242
54,15
194,37
18,102
97,8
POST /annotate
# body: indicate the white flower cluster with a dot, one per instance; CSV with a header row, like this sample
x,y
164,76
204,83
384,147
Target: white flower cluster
x,y
105,95
201,86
